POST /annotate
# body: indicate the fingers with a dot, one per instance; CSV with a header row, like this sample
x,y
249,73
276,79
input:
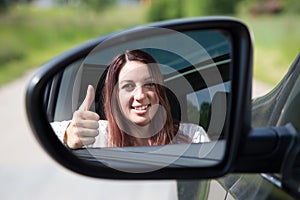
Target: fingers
x,y
84,126
87,124
87,141
77,142
88,100
80,133
83,129
83,132
85,115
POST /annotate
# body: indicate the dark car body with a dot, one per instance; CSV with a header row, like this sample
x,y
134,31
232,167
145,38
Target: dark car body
x,y
276,108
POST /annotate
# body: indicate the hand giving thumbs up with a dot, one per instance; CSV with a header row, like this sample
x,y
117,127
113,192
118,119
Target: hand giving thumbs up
x,y
84,125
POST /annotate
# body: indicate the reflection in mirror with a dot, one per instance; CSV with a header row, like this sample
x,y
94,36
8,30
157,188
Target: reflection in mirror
x,y
162,90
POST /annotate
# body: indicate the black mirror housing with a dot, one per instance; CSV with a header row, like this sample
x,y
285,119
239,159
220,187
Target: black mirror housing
x,y
238,125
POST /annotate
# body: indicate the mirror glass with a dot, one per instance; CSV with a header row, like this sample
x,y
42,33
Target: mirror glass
x,y
145,99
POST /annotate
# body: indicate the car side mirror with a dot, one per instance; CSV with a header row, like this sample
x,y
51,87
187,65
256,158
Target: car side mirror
x,y
206,65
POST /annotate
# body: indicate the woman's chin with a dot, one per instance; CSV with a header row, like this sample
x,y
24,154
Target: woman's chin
x,y
141,123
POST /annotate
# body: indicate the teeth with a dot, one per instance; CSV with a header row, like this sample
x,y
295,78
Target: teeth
x,y
141,107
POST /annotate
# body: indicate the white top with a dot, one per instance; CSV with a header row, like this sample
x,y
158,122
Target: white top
x,y
193,131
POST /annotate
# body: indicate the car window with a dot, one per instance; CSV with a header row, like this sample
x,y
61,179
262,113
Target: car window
x,y
178,70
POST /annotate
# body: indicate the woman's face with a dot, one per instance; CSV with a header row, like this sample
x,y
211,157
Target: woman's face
x,y
137,95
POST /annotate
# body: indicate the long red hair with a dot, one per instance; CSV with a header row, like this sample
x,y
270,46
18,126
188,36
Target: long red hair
x,y
117,137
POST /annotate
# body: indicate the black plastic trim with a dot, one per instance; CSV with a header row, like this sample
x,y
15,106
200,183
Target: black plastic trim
x,y
266,149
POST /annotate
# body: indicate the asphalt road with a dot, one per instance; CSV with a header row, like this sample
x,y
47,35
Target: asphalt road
x,y
27,172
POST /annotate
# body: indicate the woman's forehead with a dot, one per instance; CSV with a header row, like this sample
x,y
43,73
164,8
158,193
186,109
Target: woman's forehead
x,y
134,70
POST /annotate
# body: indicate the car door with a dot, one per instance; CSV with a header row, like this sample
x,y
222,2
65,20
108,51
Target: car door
x,y
272,109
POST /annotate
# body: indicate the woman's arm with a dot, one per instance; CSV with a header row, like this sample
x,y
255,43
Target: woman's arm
x,y
60,129
83,128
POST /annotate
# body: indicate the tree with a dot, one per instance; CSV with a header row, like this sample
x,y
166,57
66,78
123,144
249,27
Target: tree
x,y
204,114
4,5
220,7
192,113
292,6
98,4
170,9
165,9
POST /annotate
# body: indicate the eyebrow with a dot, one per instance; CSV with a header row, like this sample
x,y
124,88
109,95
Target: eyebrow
x,y
129,80
125,81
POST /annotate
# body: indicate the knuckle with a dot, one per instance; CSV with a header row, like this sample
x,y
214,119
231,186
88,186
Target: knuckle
x,y
74,126
77,142
76,113
74,143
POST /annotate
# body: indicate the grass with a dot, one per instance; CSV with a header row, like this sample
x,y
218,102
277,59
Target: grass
x,y
276,45
29,37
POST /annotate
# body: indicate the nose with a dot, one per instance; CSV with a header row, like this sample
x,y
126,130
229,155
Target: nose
x,y
139,93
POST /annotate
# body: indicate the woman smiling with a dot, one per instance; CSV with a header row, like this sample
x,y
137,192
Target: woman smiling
x,y
136,107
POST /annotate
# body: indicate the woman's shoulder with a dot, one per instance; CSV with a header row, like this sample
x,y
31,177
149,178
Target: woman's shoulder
x,y
103,127
194,131
103,122
191,128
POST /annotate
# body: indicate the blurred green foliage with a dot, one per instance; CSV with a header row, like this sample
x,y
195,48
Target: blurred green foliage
x,y
98,5
31,36
292,6
276,44
170,9
193,114
220,7
274,23
205,114
165,9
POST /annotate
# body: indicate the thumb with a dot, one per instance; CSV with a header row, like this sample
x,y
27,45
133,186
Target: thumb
x,y
89,98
